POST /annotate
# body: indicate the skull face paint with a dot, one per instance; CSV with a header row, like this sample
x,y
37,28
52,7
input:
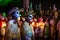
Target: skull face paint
x,y
17,14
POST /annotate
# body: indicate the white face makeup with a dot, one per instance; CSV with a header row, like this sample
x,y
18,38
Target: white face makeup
x,y
17,14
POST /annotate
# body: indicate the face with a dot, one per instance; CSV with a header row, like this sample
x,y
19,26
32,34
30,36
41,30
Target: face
x,y
23,18
56,14
17,14
41,19
35,19
2,18
31,20
52,22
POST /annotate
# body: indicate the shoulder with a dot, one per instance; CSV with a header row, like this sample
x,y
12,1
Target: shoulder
x,y
11,21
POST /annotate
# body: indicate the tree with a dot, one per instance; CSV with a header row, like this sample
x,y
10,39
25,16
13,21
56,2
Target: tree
x,y
5,2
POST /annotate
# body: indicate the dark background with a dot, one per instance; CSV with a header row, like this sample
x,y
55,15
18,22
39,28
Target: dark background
x,y
45,4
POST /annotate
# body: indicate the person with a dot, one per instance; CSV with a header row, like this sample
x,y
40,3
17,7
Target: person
x,y
56,14
28,28
58,29
13,29
36,28
52,29
46,30
22,20
2,27
0,24
41,26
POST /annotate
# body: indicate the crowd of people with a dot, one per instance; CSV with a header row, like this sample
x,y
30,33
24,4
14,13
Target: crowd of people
x,y
30,27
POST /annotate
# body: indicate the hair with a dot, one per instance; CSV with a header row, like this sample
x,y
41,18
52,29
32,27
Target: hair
x,y
27,19
58,18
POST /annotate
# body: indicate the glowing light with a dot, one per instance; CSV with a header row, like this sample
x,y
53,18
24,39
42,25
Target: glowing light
x,y
18,18
3,24
32,23
4,14
31,6
41,24
35,24
20,14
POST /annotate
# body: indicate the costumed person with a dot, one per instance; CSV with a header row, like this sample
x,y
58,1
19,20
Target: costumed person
x,y
30,22
28,28
13,29
41,26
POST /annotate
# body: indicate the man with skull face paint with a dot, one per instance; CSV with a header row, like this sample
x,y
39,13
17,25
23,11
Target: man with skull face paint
x,y
13,29
28,29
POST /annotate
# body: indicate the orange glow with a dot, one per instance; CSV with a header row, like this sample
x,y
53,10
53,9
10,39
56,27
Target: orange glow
x,y
41,25
3,28
18,18
3,24
32,23
35,24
